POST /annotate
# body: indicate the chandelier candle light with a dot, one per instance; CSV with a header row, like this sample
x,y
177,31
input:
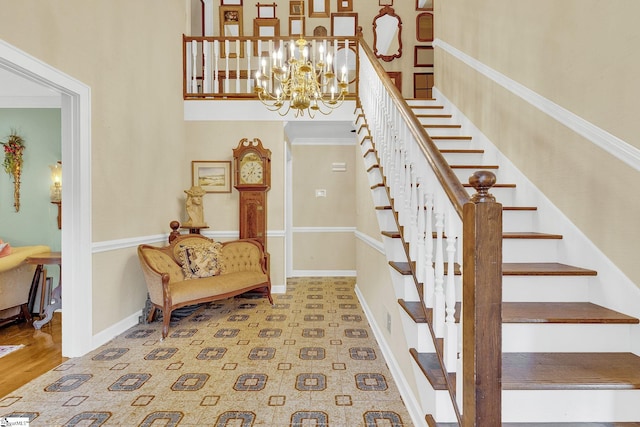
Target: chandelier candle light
x,y
301,82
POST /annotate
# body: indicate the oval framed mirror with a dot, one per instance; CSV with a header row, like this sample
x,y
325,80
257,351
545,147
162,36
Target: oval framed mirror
x,y
387,28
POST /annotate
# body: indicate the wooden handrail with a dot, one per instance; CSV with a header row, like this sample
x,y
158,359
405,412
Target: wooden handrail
x,y
450,182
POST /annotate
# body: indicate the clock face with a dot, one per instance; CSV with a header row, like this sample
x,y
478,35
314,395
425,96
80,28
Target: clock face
x,y
251,170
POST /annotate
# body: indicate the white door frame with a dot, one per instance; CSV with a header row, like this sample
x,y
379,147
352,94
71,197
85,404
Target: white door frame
x,y
77,304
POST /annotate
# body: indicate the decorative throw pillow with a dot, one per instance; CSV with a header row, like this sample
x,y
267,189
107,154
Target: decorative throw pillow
x,y
201,260
5,249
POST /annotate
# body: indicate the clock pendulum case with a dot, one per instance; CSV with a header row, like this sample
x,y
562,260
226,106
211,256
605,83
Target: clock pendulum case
x,y
252,179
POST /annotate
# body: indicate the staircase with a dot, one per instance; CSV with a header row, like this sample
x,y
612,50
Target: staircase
x,y
566,361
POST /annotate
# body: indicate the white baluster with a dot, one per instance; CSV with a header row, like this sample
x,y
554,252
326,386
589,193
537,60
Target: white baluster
x,y
429,274
439,301
238,67
194,75
226,66
420,254
216,56
249,55
206,80
413,215
451,330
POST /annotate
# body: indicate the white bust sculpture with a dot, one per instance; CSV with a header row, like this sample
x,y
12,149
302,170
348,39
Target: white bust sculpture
x,y
194,208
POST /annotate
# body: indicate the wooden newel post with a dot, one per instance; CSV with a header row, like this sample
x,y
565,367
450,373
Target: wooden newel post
x,y
482,306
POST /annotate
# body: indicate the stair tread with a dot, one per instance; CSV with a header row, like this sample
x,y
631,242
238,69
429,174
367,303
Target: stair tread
x,y
474,166
520,269
552,371
452,137
538,312
561,312
579,371
461,151
544,269
529,235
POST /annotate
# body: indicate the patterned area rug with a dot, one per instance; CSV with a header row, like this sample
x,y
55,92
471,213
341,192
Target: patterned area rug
x,y
309,360
6,349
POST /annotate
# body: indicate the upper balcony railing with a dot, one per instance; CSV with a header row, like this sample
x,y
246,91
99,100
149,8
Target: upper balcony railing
x,y
225,67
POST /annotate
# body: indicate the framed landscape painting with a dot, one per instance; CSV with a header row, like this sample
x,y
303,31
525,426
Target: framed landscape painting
x,y
212,176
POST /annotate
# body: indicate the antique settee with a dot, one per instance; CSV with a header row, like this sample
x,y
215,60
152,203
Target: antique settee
x,y
15,282
194,269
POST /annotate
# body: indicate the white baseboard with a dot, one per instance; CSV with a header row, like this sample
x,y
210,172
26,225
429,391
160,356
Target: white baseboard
x,y
113,331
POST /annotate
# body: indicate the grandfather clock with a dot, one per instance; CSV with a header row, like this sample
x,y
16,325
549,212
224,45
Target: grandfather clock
x,y
252,165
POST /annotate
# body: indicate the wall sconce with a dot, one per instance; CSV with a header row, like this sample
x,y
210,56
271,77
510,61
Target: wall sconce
x,y
56,189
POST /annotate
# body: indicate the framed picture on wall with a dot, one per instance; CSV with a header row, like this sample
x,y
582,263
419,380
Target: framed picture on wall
x,y
213,176
422,85
424,4
266,10
344,24
231,25
296,25
318,8
345,5
296,8
423,56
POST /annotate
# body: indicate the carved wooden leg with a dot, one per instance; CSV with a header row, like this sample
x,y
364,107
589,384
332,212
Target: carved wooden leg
x,y
152,314
166,318
25,312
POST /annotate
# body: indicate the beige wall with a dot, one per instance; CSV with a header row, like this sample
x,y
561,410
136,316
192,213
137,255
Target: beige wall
x,y
124,51
216,141
580,55
327,249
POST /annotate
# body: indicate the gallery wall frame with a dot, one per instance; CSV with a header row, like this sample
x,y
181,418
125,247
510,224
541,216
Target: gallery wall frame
x,y
424,4
214,176
424,27
296,26
266,27
319,8
345,5
423,56
231,25
344,24
423,85
266,10
296,8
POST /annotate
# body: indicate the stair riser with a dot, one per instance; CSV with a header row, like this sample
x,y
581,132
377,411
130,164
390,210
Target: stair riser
x,y
423,102
464,158
435,402
435,120
505,196
404,286
518,220
380,197
570,405
439,131
454,144
463,175
418,335
394,249
547,337
545,288
530,250
386,221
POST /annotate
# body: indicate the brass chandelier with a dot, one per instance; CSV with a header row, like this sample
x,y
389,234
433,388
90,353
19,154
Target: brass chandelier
x,y
301,82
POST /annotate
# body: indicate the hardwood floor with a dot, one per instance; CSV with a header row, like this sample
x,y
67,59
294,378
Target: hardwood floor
x,y
42,352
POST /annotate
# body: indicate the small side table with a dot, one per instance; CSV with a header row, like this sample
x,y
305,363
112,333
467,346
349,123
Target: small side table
x,y
47,258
